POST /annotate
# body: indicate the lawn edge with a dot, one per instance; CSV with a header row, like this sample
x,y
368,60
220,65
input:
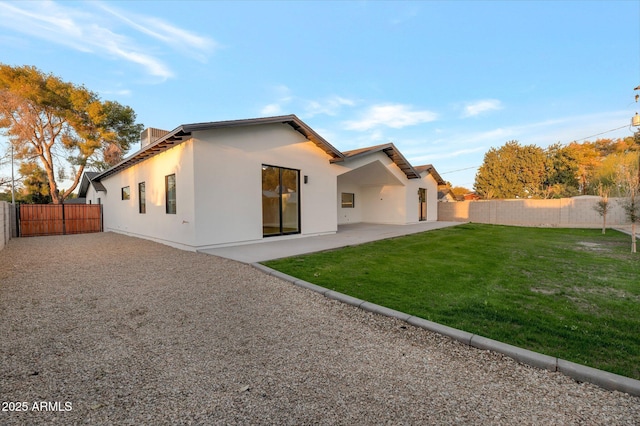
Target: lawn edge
x,y
578,372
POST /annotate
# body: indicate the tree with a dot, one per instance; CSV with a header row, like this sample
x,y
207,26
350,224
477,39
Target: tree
x,y
56,122
562,171
588,158
602,206
460,191
35,184
628,178
511,171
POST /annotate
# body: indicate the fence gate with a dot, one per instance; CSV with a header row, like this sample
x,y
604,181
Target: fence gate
x,y
58,219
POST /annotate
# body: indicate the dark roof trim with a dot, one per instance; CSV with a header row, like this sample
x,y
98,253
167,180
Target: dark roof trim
x,y
391,151
432,170
183,132
88,179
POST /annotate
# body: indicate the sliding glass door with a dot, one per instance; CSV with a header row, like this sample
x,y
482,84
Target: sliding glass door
x,y
280,201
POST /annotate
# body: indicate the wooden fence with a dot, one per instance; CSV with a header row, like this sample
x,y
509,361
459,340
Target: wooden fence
x,y
59,219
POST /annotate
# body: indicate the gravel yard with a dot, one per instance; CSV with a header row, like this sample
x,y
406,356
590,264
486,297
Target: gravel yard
x,y
109,329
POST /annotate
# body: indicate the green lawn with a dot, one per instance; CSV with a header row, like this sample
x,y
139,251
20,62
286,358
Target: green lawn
x,y
570,293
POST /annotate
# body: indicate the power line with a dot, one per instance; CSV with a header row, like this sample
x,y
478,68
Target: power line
x,y
459,170
602,133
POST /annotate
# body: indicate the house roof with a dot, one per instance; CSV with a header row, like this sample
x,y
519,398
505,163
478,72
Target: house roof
x,y
430,169
391,151
183,132
87,178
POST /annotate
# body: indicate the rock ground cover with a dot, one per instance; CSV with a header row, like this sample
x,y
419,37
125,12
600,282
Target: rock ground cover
x,y
133,332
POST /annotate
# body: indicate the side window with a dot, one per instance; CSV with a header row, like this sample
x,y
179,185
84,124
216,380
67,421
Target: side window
x,y
170,193
348,200
126,193
142,201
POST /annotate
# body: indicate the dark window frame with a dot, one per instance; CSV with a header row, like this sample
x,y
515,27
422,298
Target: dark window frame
x,y
171,202
125,193
348,204
142,200
299,208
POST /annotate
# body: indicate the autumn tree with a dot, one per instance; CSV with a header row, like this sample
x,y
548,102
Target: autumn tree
x,y
35,184
603,206
511,171
460,191
561,171
631,202
56,123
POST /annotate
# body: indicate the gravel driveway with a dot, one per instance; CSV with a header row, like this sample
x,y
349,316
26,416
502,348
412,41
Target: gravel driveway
x,y
109,329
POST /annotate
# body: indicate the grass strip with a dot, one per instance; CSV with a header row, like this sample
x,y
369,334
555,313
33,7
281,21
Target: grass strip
x,y
567,293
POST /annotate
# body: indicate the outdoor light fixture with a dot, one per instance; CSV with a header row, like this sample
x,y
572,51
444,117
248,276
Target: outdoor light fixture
x,y
306,178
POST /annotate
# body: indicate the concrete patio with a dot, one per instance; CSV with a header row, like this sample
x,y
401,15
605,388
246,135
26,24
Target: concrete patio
x,y
347,235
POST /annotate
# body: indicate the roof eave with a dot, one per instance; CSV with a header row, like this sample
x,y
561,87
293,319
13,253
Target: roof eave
x,y
393,153
184,132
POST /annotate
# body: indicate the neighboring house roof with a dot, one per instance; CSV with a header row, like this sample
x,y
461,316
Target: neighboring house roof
x,y
88,178
391,151
430,169
445,194
183,132
471,196
75,201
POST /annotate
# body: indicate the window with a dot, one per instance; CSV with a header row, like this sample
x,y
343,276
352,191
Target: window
x,y
142,201
170,193
280,201
348,200
126,193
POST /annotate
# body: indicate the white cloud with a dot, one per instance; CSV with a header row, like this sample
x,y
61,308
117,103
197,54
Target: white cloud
x,y
271,109
284,97
478,107
98,33
181,40
395,116
330,106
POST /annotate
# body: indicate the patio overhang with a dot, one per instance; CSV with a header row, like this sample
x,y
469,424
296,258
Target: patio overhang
x,y
371,174
390,150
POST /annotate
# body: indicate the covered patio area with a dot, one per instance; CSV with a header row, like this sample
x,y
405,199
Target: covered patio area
x,y
347,235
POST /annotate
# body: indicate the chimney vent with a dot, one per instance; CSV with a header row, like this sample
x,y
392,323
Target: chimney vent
x,y
150,135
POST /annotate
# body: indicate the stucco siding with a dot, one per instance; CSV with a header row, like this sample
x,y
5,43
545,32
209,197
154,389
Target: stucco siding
x,y
228,176
124,216
412,207
383,192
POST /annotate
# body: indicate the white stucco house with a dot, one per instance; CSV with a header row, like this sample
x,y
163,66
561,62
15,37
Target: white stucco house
x,y
223,183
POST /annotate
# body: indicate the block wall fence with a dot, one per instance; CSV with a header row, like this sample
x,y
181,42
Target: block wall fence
x,y
5,223
564,212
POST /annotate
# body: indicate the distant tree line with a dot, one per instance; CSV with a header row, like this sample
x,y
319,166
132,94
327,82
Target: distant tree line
x,y
528,171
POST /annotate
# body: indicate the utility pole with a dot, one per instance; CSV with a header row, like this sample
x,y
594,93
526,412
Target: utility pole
x,y
635,122
13,182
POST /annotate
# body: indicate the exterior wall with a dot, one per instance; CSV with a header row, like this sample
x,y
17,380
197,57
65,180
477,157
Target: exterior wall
x,y
123,216
390,199
228,175
385,204
565,212
93,196
348,214
413,203
378,188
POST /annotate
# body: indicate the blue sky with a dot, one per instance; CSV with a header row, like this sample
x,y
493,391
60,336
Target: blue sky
x,y
444,81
